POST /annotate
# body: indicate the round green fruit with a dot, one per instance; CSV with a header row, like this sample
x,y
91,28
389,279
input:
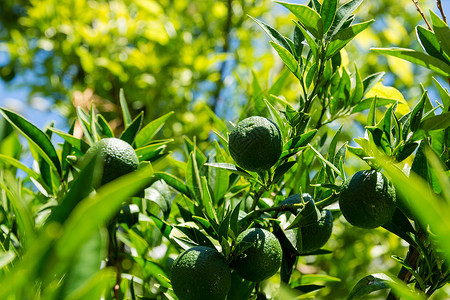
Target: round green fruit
x,y
262,259
367,199
255,144
313,236
118,158
201,273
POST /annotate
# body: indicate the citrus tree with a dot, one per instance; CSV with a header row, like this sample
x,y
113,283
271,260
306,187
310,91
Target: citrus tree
x,y
114,215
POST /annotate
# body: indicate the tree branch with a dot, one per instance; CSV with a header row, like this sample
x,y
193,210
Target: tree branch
x,y
439,5
416,2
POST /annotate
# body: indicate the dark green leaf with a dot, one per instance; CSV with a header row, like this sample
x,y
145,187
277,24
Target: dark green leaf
x,y
84,122
328,12
443,93
79,144
370,81
174,182
196,236
442,32
429,42
343,37
231,168
130,132
416,114
106,129
281,170
276,37
368,285
288,59
159,193
162,225
312,44
343,13
147,133
35,137
309,18
125,111
418,58
298,41
438,122
300,141
309,214
193,178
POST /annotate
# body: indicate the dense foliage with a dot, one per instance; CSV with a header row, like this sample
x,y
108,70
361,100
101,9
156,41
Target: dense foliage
x,y
162,68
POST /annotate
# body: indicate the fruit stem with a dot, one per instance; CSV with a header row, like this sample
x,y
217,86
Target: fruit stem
x,y
327,201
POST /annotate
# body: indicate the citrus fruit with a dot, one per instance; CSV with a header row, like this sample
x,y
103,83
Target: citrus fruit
x,y
118,158
367,199
262,259
201,273
255,144
313,236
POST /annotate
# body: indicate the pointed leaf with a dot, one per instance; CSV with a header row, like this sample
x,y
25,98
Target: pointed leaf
x,y
125,111
149,131
442,32
343,13
35,137
130,132
328,12
288,59
276,37
429,42
418,58
308,17
368,285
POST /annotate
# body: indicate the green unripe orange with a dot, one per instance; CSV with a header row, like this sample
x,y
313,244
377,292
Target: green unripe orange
x,y
255,144
118,158
263,259
201,273
367,199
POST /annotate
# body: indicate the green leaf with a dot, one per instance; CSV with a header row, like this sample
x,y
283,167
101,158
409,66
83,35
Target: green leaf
x,y
106,129
328,12
35,137
17,164
196,236
308,215
358,91
193,178
312,44
160,194
418,58
230,167
207,200
417,112
443,93
276,37
149,131
438,122
163,226
442,32
429,42
97,209
276,117
369,284
321,158
281,170
218,177
288,59
174,182
79,144
125,111
151,152
308,17
131,131
85,265
370,81
343,13
333,144
300,141
84,122
343,37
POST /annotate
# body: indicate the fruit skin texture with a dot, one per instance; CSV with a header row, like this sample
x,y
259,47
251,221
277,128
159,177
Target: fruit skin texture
x,y
367,199
263,258
201,273
313,236
118,157
255,144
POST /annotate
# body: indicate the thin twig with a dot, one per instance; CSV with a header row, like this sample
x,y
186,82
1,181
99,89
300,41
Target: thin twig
x,y
416,2
439,5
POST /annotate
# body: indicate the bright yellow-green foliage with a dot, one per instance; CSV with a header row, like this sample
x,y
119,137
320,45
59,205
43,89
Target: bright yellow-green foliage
x,y
255,144
313,236
201,273
263,258
119,158
367,199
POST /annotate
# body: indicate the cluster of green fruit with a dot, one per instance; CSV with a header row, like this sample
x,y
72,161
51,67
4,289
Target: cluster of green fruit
x,y
367,199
